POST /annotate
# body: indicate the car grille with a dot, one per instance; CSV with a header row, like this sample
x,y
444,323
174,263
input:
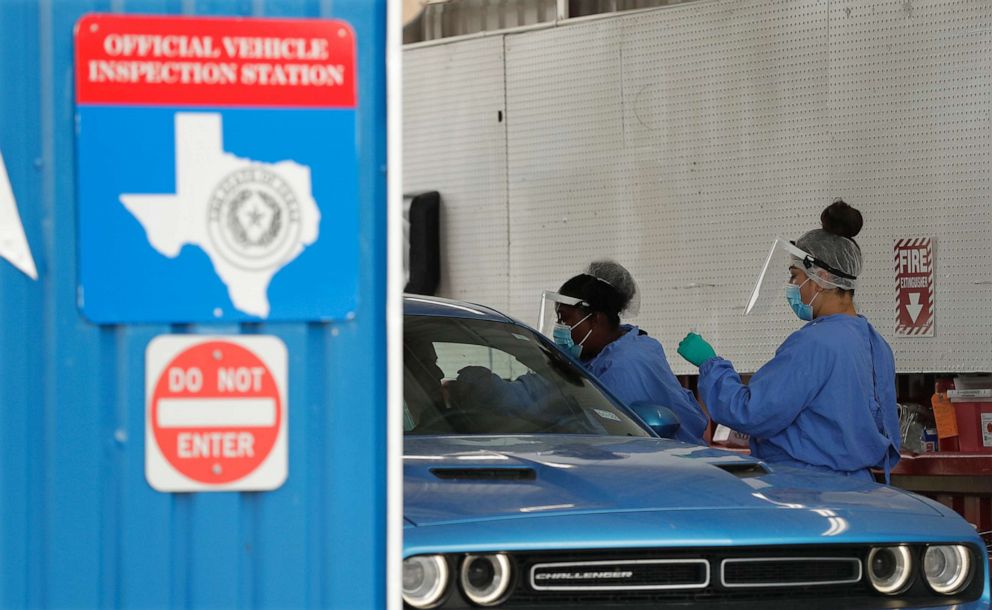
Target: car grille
x,y
768,577
619,575
812,577
698,576
789,571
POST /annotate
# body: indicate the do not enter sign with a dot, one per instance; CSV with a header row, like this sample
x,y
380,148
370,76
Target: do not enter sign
x,y
216,413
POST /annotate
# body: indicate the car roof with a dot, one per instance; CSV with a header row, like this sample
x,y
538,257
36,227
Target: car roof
x,y
419,305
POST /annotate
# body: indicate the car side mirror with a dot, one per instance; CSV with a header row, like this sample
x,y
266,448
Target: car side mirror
x,y
660,419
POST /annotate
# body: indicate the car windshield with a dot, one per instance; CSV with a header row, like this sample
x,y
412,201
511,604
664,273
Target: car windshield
x,y
466,376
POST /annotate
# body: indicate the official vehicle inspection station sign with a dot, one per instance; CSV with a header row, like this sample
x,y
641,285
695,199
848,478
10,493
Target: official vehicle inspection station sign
x,y
914,287
217,169
216,413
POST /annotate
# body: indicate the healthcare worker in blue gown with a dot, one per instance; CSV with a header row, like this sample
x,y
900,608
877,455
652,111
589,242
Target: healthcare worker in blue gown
x,y
827,400
631,364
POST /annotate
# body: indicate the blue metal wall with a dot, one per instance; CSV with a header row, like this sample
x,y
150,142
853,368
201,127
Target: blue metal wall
x,y
79,526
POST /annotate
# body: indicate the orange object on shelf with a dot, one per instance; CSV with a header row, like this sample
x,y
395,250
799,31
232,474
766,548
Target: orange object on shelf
x,y
944,415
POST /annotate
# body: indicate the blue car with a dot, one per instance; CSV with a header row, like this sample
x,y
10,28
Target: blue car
x,y
526,485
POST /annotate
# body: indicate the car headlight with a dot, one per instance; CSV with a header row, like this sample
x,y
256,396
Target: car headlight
x,y
947,568
486,578
890,568
425,579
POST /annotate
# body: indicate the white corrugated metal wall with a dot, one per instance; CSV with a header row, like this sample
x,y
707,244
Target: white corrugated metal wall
x,y
681,141
454,133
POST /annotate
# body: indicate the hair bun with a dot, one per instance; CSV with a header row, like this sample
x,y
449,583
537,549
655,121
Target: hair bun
x,y
841,219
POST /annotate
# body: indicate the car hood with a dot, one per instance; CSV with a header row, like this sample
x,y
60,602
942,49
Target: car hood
x,y
451,480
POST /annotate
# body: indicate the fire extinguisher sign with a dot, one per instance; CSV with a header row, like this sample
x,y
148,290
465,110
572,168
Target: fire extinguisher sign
x,y
914,287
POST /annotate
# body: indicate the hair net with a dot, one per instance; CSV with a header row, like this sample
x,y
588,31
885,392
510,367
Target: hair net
x,y
619,278
840,253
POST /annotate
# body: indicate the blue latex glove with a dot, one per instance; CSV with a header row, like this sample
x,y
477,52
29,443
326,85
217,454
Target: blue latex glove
x,y
695,349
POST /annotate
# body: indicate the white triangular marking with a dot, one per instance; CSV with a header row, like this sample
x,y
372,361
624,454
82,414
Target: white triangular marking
x,y
914,308
13,243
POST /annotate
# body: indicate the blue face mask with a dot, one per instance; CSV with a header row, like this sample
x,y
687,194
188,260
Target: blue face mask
x,y
563,337
802,310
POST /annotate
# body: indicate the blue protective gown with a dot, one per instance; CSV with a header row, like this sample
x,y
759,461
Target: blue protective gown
x,y
827,400
634,368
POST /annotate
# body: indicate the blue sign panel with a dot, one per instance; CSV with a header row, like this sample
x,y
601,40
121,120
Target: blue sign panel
x,y
217,169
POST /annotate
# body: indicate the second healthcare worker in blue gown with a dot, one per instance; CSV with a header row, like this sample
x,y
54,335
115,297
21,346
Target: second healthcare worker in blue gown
x,y
624,358
827,399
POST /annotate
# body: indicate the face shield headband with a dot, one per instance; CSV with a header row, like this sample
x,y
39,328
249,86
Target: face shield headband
x,y
809,261
548,315
785,254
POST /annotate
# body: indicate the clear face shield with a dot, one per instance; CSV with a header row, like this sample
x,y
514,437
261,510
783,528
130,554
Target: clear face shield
x,y
550,302
769,290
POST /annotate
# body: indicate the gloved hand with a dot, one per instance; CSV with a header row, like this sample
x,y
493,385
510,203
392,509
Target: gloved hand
x,y
695,349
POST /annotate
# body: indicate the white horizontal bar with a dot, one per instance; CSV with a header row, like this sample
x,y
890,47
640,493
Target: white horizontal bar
x,y
216,412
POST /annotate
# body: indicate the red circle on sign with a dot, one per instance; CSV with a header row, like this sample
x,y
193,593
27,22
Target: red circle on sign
x,y
216,412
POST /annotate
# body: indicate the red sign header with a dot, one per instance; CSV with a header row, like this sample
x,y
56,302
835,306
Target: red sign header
x,y
196,61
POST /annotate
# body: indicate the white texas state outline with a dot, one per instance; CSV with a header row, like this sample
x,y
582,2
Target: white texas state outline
x,y
172,221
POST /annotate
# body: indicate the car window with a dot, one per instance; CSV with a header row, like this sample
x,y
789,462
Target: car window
x,y
453,357
467,376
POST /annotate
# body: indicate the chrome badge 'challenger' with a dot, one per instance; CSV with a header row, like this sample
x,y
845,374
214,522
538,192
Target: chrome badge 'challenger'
x,y
641,575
